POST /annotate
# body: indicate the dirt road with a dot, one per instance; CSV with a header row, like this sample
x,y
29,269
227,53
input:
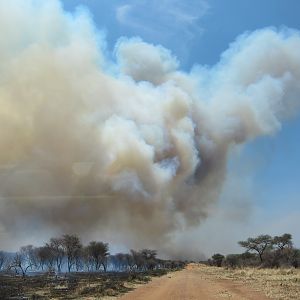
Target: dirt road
x,y
190,284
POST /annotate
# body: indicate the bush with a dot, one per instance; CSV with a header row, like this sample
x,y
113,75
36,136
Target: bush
x,y
217,259
232,260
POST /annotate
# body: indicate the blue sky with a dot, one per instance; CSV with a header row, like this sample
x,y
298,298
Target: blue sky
x,y
197,32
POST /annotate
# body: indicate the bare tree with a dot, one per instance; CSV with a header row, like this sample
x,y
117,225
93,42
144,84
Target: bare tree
x,y
259,244
24,259
98,252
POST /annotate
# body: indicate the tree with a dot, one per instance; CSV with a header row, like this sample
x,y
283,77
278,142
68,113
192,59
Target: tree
x,y
87,259
3,259
130,261
119,261
282,242
72,248
79,264
138,258
98,252
56,246
24,259
282,251
294,257
232,260
217,259
149,258
45,256
259,244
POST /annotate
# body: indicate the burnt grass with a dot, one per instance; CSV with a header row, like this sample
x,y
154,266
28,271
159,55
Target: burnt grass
x,y
72,285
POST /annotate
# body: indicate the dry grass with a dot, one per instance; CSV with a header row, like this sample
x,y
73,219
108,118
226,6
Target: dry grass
x,y
275,283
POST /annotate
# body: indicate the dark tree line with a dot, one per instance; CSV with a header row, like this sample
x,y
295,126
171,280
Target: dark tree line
x,y
263,250
67,253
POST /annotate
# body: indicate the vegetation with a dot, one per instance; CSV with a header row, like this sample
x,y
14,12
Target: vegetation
x,y
281,283
270,264
68,254
64,267
74,285
262,251
217,259
259,244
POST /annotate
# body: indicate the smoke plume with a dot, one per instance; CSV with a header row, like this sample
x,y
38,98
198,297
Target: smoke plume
x,y
131,146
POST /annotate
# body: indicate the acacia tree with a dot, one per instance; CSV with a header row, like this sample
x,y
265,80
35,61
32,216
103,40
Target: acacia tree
x,y
45,256
283,242
138,258
259,244
56,247
149,258
98,252
119,261
87,260
130,261
72,248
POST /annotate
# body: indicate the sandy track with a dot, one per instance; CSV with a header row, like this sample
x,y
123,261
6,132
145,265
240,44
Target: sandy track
x,y
189,284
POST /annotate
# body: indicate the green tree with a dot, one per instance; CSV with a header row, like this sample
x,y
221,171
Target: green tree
x,y
282,242
217,259
258,244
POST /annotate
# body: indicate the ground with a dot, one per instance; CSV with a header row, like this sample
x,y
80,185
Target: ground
x,y
196,281
206,282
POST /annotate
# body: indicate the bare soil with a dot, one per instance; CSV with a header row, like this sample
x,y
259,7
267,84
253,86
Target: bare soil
x,y
194,283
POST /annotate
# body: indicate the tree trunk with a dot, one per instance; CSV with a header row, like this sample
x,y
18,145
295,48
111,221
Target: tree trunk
x,y
104,267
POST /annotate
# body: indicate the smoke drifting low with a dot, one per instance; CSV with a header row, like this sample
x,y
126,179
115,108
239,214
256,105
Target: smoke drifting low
x,y
134,146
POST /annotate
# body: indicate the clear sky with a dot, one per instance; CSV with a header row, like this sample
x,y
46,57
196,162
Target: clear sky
x,y
197,32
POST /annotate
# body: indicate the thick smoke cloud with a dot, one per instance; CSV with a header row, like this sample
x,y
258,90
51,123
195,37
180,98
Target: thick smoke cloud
x,y
136,146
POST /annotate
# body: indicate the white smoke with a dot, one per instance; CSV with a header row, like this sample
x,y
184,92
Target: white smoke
x,y
136,146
